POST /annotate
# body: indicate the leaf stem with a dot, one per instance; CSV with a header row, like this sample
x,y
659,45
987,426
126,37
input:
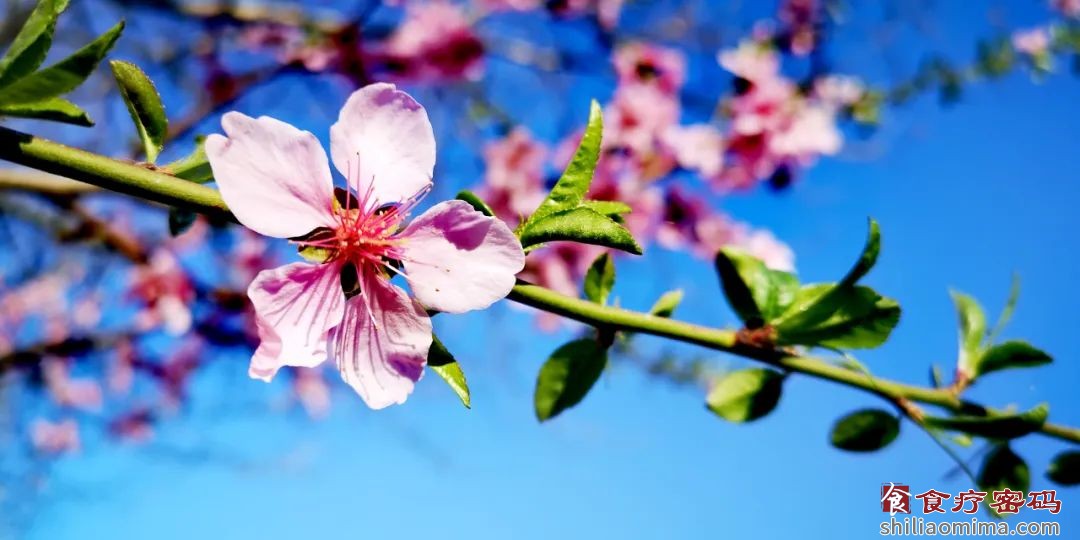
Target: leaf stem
x,y
149,184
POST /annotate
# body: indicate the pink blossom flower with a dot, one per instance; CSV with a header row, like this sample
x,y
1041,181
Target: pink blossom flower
x,y
80,393
55,437
1069,8
647,64
434,43
800,18
511,5
514,177
763,245
1032,42
699,148
165,288
277,181
838,91
751,60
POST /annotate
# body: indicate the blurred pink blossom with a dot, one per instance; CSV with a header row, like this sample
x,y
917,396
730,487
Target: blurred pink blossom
x,y
650,65
55,437
698,147
1069,8
1033,41
514,175
164,287
800,20
435,42
78,393
838,91
291,44
312,392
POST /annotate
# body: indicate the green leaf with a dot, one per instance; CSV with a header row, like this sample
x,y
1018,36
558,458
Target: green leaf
x,y
756,293
180,221
570,190
972,330
994,426
611,209
1065,469
444,365
476,202
567,376
193,168
30,47
64,76
745,395
862,319
144,104
1003,469
866,430
54,109
578,225
1010,354
600,279
812,310
666,304
1007,311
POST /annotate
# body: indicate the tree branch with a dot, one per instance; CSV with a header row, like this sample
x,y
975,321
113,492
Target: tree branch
x,y
138,181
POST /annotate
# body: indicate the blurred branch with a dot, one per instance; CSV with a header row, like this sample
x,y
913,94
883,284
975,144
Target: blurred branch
x,y
40,182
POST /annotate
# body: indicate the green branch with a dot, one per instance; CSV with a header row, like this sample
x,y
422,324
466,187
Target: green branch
x,y
149,184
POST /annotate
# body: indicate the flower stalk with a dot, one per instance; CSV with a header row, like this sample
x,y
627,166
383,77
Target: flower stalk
x,y
146,183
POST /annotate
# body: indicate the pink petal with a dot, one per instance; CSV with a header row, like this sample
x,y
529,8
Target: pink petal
x,y
274,177
457,259
383,137
296,305
382,343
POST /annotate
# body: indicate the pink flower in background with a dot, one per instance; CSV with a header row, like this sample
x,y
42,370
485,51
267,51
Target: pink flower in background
x,y
434,43
838,91
78,393
277,181
1032,42
511,5
650,65
637,116
1069,8
763,245
698,147
751,60
514,177
800,18
559,267
55,437
164,287
292,45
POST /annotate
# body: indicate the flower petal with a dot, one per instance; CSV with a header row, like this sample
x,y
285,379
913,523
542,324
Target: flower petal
x,y
457,259
296,305
383,140
274,177
382,344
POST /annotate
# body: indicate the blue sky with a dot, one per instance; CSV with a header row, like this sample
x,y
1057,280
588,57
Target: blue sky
x,y
965,196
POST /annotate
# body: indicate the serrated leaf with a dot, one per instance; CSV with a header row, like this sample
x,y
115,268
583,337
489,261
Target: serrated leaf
x,y
63,76
1010,354
745,395
666,304
1065,469
180,220
1003,469
54,109
994,426
578,225
600,279
756,293
972,330
476,202
446,367
574,183
144,105
862,319
813,310
567,376
195,167
866,430
30,47
611,209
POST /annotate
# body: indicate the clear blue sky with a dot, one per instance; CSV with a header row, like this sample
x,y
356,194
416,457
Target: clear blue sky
x,y
965,197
